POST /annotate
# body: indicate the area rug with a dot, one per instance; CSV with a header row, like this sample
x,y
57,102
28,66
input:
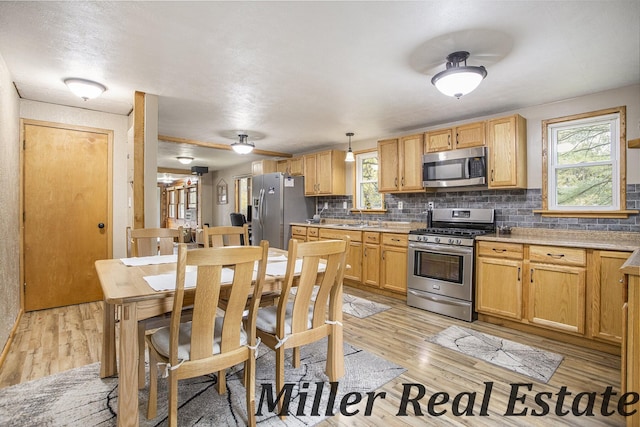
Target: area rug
x,y
530,361
356,306
80,398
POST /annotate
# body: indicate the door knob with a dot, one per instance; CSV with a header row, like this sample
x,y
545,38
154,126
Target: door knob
x,y
100,225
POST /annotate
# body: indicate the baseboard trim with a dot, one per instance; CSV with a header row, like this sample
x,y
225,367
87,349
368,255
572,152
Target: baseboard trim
x,y
12,334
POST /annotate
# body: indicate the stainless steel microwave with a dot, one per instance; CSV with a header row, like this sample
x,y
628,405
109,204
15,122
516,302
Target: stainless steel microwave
x,y
455,168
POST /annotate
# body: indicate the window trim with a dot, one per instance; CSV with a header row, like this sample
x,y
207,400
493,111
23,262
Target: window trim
x,y
355,185
622,168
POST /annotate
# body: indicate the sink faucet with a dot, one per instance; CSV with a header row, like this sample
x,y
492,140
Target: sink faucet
x,y
361,217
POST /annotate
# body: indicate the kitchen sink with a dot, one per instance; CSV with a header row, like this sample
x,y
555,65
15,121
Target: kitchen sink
x,y
352,225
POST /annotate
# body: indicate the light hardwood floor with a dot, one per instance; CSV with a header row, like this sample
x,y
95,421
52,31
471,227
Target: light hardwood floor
x,y
55,340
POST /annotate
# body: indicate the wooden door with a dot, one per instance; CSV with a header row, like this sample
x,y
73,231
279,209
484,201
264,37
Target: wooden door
x,y
310,175
67,191
324,172
389,165
371,265
502,152
470,135
354,260
393,274
608,293
439,140
411,162
499,287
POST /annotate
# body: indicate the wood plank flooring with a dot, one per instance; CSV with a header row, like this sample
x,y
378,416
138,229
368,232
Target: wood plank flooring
x,y
55,340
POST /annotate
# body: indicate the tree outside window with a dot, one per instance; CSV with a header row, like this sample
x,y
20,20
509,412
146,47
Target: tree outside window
x,y
366,194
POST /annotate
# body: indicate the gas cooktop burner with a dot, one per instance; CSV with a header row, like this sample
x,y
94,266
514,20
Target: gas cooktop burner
x,y
448,231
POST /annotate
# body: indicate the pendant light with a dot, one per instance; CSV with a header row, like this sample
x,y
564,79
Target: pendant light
x,y
185,160
458,80
349,157
242,146
85,89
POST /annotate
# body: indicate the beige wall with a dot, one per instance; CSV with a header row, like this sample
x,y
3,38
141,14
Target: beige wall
x,y
9,204
119,124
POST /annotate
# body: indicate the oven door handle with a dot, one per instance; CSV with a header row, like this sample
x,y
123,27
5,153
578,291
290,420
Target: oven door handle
x,y
442,249
438,300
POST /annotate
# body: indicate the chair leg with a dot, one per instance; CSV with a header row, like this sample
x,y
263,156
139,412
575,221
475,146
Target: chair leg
x,y
222,381
250,386
141,346
152,405
280,378
296,357
173,400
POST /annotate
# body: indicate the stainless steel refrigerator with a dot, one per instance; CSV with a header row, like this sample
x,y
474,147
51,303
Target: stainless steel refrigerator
x,y
278,200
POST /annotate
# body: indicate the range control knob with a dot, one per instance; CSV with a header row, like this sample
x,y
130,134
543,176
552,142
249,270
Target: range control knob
x,y
451,241
437,240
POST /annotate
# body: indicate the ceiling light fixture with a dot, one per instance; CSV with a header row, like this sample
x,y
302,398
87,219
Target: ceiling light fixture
x,y
85,89
185,160
242,146
458,80
349,157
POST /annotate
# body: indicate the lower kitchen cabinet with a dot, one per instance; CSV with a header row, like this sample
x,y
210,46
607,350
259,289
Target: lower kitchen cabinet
x,y
501,290
393,269
354,254
606,282
631,342
371,259
299,233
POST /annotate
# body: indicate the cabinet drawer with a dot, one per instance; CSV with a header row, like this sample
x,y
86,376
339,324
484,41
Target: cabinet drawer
x,y
500,250
312,232
557,255
371,237
395,239
297,230
329,233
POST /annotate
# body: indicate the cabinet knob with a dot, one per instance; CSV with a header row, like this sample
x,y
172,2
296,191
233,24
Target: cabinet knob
x,y
100,225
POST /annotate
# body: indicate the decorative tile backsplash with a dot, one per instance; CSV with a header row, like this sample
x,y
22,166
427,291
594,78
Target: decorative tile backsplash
x,y
513,208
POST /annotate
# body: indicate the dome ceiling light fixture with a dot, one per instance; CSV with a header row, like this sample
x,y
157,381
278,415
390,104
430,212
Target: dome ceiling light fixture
x,y
458,80
85,89
242,146
349,157
185,160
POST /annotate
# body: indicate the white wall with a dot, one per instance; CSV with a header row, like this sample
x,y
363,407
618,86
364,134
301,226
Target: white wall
x,y
9,204
119,124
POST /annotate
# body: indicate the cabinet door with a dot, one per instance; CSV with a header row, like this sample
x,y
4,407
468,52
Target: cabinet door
x,y
439,140
324,172
393,272
354,260
371,265
607,287
506,139
256,168
499,287
557,297
389,164
310,175
470,135
283,166
296,166
411,162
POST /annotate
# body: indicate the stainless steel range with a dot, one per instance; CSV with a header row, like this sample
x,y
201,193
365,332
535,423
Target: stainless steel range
x,y
440,263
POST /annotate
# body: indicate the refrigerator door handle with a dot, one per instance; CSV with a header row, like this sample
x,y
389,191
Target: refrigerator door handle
x,y
261,207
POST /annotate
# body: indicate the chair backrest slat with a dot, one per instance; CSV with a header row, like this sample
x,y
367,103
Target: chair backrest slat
x,y
152,241
225,235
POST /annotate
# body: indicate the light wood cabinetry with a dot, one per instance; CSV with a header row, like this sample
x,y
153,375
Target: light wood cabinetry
x,y
400,164
393,268
631,342
312,234
293,166
606,284
499,269
507,157
260,167
371,259
463,136
324,173
354,256
299,233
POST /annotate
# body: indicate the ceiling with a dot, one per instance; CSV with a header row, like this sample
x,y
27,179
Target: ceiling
x,y
298,75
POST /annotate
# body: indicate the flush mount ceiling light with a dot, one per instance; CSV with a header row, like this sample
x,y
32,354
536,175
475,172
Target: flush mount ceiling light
x,y
458,80
349,157
185,160
85,89
242,146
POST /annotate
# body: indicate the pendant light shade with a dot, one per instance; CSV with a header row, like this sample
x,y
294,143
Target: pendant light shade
x,y
85,89
242,146
349,157
458,80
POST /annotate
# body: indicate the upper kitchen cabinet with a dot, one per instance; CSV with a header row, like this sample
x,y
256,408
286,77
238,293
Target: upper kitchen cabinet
x,y
464,136
293,166
324,173
507,157
400,164
260,167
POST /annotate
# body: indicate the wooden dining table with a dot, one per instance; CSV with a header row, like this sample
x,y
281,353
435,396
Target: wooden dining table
x,y
128,294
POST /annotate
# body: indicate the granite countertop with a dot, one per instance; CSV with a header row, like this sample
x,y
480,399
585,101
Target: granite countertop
x,y
352,225
606,240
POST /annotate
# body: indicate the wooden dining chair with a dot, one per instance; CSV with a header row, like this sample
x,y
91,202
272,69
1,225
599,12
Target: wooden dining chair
x,y
150,242
225,235
300,319
209,343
